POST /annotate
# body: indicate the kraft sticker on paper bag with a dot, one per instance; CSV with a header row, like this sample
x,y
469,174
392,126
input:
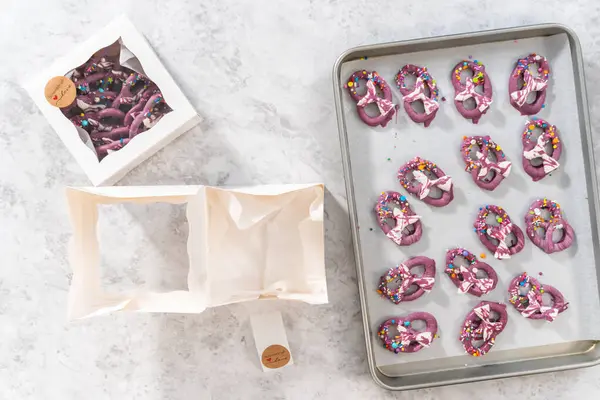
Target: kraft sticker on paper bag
x,y
271,341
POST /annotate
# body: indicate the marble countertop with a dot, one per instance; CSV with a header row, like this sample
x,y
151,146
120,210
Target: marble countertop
x,y
259,73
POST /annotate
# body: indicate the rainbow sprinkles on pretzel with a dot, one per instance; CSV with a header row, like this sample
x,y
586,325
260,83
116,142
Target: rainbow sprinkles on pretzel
x,y
392,206
531,303
423,179
486,174
405,280
113,103
478,87
534,221
465,277
538,162
480,325
425,90
408,340
374,81
496,237
528,91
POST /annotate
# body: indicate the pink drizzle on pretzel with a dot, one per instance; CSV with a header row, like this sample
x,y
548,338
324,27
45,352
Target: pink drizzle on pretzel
x,y
387,109
480,325
534,220
401,274
467,89
522,83
425,90
530,305
481,166
465,277
536,149
423,184
408,339
112,101
500,232
403,216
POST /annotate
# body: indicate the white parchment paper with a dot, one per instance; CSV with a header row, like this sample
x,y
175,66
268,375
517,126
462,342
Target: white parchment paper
x,y
377,153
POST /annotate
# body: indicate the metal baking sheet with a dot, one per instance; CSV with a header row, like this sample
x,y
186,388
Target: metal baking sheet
x,y
375,154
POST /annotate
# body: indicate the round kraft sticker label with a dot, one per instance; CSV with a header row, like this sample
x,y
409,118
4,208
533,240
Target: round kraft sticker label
x,y
60,91
275,356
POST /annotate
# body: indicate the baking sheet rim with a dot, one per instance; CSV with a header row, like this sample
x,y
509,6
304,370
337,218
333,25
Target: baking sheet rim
x,y
590,177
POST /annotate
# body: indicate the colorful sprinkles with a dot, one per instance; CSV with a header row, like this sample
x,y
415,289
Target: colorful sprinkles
x,y
402,274
113,103
465,277
478,325
408,340
534,220
418,164
535,149
530,302
524,63
394,206
500,232
420,72
549,131
475,66
353,83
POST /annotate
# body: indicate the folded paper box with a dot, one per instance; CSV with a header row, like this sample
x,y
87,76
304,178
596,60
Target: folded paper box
x,y
84,136
243,244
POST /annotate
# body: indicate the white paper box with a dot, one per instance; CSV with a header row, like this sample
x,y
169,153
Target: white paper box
x,y
116,165
243,244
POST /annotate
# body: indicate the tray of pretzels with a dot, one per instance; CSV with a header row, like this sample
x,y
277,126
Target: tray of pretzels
x,y
473,204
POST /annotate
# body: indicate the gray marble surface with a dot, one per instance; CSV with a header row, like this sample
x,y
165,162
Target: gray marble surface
x,y
259,72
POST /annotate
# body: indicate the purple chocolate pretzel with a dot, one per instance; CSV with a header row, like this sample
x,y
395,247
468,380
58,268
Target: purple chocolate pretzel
x,y
534,220
424,184
423,84
467,89
522,83
403,216
402,274
113,103
465,277
499,232
480,325
530,305
536,149
481,166
387,109
408,339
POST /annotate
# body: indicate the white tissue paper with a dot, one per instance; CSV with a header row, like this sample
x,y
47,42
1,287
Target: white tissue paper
x,y
243,244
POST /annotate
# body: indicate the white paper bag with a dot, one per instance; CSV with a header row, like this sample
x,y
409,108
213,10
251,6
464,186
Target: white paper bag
x,y
137,51
243,244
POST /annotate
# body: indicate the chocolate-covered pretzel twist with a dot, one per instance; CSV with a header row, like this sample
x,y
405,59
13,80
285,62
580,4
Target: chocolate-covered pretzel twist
x,y
469,89
386,108
495,237
465,277
481,325
547,149
403,216
408,339
113,103
403,276
534,220
425,90
530,305
480,166
522,83
417,167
